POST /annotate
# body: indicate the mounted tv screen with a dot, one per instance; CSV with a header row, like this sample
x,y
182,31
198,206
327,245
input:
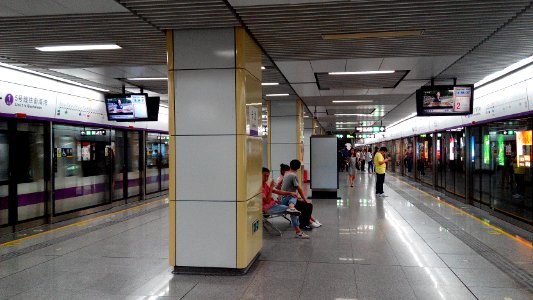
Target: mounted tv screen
x,y
153,108
445,100
127,107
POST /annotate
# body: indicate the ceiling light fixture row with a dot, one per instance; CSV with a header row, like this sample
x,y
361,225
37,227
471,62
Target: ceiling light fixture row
x,y
147,78
362,72
357,115
65,48
277,95
377,34
352,101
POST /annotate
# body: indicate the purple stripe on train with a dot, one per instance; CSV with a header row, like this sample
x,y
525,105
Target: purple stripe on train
x,y
60,194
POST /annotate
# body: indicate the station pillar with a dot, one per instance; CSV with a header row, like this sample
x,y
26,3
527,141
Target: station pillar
x,y
286,134
215,220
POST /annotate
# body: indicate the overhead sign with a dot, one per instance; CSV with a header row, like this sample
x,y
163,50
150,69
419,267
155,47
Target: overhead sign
x,y
92,132
370,129
364,136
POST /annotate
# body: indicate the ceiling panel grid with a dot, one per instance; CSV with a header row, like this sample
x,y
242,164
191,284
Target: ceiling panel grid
x,y
294,32
183,14
141,43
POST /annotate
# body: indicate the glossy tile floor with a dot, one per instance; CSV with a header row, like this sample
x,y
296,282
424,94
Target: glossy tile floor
x,y
368,248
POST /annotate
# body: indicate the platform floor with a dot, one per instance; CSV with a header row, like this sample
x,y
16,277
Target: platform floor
x,y
406,246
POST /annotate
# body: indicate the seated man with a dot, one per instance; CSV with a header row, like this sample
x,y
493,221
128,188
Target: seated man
x,y
271,206
307,221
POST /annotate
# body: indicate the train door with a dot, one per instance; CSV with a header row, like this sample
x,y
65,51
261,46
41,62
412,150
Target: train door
x,y
441,161
4,174
23,194
153,163
84,161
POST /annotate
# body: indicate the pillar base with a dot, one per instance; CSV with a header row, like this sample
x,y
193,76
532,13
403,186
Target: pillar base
x,y
215,271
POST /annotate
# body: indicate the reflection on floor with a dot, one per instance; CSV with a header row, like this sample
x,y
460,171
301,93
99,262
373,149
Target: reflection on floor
x,y
368,248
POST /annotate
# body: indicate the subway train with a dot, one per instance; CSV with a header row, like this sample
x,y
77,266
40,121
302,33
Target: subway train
x,y
61,157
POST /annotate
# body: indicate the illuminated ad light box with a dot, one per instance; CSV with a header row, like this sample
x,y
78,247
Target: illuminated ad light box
x,y
523,148
486,149
452,149
445,100
501,150
323,160
473,148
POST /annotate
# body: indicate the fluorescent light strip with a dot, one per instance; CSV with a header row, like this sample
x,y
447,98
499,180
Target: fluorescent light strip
x,y
359,115
402,120
78,48
51,77
362,72
277,95
147,78
252,104
269,83
379,34
505,71
351,101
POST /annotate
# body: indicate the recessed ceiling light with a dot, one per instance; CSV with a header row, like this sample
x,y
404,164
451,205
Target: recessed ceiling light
x,y
277,95
351,101
361,72
269,83
379,34
262,68
78,47
147,78
360,115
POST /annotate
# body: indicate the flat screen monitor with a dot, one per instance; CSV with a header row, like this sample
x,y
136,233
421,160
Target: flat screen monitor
x,y
153,108
445,100
127,107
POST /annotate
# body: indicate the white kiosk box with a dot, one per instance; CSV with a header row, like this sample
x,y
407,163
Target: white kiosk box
x,y
324,175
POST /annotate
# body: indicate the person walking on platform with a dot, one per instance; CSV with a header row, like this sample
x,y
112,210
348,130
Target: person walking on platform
x,y
363,159
370,160
381,165
352,167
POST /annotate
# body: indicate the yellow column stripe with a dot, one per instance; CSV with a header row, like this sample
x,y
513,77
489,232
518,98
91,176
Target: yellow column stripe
x,y
172,151
517,238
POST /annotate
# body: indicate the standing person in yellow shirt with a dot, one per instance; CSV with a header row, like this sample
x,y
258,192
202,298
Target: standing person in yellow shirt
x,y
380,163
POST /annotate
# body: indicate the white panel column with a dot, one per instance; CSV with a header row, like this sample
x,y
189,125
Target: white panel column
x,y
286,133
215,81
204,104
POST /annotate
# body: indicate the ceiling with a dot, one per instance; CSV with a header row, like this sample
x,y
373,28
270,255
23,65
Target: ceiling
x,y
418,39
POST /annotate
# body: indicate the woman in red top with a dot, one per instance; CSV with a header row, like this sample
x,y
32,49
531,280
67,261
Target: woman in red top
x,y
271,206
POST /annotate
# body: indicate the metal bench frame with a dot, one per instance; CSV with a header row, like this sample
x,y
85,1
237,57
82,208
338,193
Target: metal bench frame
x,y
267,222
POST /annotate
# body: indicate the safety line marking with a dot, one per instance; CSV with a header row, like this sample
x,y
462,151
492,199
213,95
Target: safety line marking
x,y
17,241
517,238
